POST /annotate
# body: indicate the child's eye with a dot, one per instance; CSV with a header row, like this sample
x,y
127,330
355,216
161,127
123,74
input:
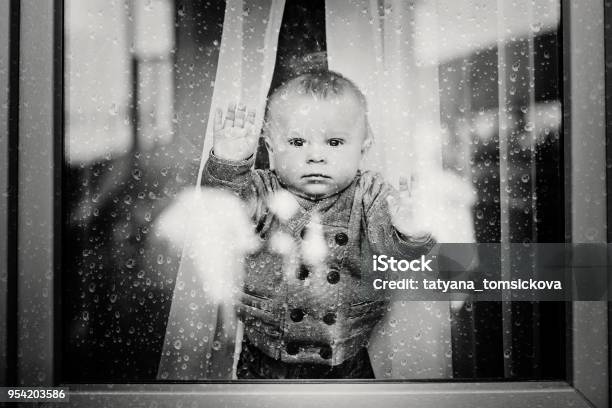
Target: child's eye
x,y
297,142
335,142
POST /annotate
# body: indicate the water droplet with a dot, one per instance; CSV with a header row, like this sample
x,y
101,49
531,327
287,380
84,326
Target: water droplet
x,y
591,234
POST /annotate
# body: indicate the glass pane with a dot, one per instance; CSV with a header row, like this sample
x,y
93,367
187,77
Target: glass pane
x,y
462,93
134,113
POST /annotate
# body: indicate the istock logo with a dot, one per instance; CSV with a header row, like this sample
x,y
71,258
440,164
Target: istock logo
x,y
382,263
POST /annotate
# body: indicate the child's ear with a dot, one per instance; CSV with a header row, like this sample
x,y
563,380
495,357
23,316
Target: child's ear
x,y
266,135
365,146
268,143
368,140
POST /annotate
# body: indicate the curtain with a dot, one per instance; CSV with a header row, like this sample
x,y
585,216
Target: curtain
x,y
453,96
203,334
401,88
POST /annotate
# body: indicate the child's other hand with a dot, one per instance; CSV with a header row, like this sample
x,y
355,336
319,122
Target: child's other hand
x,y
234,138
403,208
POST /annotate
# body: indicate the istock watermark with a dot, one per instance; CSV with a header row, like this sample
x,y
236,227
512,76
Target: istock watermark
x,y
383,263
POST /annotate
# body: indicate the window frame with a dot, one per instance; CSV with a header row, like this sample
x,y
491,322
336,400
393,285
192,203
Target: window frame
x,y
4,182
37,231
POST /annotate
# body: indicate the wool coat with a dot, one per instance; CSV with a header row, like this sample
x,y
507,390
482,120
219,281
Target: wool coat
x,y
299,312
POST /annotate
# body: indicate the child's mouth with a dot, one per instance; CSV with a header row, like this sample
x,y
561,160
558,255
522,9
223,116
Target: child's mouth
x,y
316,177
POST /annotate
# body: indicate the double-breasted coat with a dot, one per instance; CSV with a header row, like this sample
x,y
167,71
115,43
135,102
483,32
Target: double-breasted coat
x,y
297,312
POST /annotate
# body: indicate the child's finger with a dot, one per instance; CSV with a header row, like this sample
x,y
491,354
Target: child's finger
x,y
240,115
251,117
218,120
230,116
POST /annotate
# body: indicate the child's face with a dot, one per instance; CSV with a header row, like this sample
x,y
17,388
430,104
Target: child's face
x,y
317,145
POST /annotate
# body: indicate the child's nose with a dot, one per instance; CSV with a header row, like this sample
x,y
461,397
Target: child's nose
x,y
315,154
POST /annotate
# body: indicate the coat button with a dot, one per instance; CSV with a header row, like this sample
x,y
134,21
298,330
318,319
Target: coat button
x,y
297,315
330,318
325,352
292,348
341,238
303,272
333,277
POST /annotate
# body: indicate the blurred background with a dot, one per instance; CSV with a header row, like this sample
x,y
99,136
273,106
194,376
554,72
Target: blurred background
x,y
139,80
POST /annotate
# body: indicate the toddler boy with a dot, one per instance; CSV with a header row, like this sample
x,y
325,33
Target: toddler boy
x,y
304,320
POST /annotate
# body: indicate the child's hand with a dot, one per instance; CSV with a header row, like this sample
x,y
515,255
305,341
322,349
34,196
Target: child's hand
x,y
236,137
403,211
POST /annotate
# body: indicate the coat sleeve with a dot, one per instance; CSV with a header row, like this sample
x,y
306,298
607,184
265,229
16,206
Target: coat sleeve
x,y
252,186
233,176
